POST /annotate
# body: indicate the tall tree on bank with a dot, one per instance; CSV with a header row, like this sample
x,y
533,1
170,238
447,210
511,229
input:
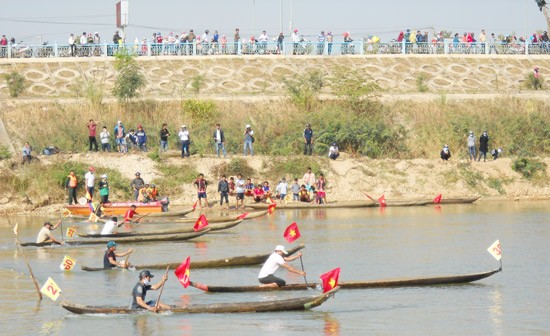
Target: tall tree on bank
x,y
544,9
129,77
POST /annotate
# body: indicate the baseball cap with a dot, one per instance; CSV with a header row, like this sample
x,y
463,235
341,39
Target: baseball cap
x,y
111,244
120,122
247,126
47,223
143,274
182,126
281,248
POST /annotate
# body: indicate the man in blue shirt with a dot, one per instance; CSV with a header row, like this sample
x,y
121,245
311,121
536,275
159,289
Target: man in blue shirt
x,y
308,140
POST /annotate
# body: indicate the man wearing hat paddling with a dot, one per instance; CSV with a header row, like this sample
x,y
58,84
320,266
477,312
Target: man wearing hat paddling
x,y
140,290
109,259
45,234
272,264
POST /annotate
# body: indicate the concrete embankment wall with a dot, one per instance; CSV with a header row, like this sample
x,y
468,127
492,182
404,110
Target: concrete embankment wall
x,y
262,75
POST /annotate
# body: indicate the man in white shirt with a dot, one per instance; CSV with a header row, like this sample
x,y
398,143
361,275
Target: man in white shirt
x,y
239,188
72,45
184,138
110,226
272,264
89,177
295,39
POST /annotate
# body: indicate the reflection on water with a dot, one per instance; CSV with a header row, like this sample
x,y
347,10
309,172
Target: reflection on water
x,y
332,325
495,297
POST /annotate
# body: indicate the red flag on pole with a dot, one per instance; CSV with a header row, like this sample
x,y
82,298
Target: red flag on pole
x,y
182,272
195,205
382,201
437,199
201,223
243,215
330,279
271,208
292,233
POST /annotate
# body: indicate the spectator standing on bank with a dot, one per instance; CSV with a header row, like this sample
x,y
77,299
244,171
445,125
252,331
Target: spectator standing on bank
x,y
308,140
141,139
104,136
164,134
89,178
223,189
248,140
71,184
104,189
219,140
185,141
92,126
119,136
483,146
472,146
26,152
72,45
136,185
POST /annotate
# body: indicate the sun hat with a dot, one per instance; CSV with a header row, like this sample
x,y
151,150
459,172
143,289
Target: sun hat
x,y
182,126
111,244
103,176
281,248
247,126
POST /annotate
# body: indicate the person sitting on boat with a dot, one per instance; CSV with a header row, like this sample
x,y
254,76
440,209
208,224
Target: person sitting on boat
x,y
153,193
45,234
249,188
272,264
140,291
109,259
110,226
129,215
303,194
259,193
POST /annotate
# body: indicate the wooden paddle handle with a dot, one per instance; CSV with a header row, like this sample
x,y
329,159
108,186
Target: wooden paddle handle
x,y
161,289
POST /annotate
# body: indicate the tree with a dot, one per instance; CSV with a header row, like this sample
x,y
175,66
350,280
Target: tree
x,y
129,78
544,10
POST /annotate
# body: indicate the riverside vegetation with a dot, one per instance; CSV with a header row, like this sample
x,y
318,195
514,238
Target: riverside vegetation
x,y
362,126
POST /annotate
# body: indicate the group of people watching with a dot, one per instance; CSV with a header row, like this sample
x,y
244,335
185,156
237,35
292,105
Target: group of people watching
x,y
483,148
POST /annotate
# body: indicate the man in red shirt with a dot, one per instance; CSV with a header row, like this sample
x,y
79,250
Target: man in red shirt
x,y
129,215
91,134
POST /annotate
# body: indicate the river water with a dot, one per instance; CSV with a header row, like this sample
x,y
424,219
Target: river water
x,y
368,244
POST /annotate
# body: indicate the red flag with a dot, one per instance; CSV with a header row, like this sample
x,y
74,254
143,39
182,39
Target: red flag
x,y
382,201
182,272
292,233
243,215
195,205
330,279
271,208
201,223
437,199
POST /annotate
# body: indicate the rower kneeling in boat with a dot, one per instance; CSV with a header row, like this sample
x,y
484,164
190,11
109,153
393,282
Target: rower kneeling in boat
x,y
45,234
109,259
272,264
140,290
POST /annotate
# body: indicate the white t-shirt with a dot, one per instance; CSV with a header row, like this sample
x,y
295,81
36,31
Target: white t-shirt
x,y
218,136
271,265
109,227
90,179
104,137
184,135
43,235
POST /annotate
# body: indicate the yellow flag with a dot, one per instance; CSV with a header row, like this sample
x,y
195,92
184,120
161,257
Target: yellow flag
x,y
71,232
51,290
93,217
66,212
67,264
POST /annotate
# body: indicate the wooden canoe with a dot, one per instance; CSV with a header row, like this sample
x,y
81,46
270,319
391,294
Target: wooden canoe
x,y
302,303
410,282
304,205
126,240
251,215
238,261
183,229
463,200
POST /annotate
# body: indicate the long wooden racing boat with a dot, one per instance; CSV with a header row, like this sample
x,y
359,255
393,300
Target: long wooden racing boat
x,y
462,200
305,205
183,229
154,209
410,282
238,261
217,219
302,303
142,239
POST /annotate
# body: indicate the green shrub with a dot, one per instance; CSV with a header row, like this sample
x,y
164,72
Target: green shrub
x,y
234,167
200,110
16,83
5,153
304,90
129,77
154,155
196,83
174,176
530,168
533,82
496,184
421,82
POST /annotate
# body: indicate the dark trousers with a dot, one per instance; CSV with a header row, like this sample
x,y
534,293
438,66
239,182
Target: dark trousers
x,y
104,199
224,194
72,195
308,147
93,142
272,279
185,148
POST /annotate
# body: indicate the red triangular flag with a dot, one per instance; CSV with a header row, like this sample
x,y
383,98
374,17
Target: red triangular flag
x,y
195,205
201,223
182,272
382,201
243,215
292,233
330,279
271,208
437,199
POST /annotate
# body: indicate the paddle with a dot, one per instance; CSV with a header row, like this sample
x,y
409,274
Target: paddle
x,y
302,262
139,218
130,251
161,289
